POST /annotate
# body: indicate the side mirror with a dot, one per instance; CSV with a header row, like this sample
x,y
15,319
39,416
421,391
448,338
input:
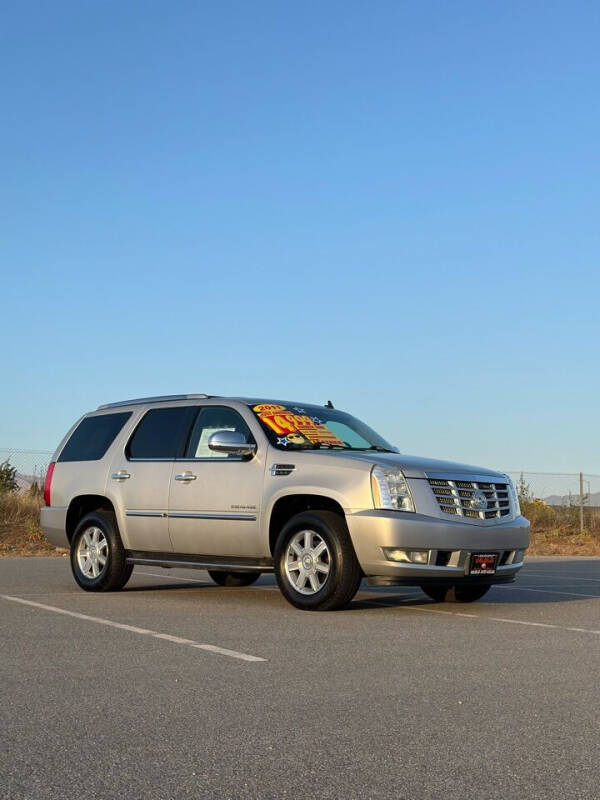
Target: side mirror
x,y
231,442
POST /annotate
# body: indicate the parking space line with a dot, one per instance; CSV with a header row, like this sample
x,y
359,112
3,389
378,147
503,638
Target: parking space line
x,y
544,625
486,618
211,648
520,588
174,578
571,578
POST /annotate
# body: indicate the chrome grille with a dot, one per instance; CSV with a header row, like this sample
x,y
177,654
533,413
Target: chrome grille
x,y
472,499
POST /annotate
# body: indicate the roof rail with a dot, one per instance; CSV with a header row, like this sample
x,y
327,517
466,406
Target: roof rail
x,y
165,398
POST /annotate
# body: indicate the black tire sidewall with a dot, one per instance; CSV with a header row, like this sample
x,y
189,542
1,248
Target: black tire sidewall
x,y
115,567
469,594
436,592
233,579
316,522
455,593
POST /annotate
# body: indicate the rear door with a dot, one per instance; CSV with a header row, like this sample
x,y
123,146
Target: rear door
x,y
140,475
214,501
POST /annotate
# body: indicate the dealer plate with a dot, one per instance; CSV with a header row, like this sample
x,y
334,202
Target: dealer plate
x,y
483,563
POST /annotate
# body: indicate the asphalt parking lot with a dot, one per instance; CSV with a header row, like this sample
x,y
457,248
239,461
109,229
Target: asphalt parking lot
x,y
177,688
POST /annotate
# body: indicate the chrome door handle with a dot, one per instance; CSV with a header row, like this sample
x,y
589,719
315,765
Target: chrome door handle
x,y
121,475
185,476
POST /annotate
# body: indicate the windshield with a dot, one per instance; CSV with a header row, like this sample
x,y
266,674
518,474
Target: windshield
x,y
303,427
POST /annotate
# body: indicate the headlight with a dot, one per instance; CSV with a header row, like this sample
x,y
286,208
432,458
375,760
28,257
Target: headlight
x,y
390,489
514,496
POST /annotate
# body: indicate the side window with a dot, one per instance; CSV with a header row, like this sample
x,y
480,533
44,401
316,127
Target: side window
x,y
93,436
160,433
210,420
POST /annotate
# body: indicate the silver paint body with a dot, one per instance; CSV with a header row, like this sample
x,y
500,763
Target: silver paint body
x,y
222,507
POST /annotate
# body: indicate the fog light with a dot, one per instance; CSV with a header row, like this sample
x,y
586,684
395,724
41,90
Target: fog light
x,y
396,555
407,556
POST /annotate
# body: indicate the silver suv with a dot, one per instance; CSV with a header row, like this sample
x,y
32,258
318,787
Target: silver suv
x,y
242,486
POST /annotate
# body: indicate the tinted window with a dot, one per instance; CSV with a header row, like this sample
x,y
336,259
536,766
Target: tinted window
x,y
93,436
210,420
160,433
304,427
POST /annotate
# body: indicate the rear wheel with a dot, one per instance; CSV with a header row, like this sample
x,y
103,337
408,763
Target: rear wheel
x,y
97,554
233,578
315,563
455,594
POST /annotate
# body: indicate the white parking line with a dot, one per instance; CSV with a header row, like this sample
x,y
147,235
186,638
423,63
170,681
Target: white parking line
x,y
211,648
543,625
486,618
571,578
174,578
520,588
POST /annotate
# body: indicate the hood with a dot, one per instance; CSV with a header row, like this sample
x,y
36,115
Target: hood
x,y
419,466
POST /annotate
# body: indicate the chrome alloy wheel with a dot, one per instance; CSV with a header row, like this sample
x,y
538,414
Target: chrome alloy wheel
x,y
92,552
307,562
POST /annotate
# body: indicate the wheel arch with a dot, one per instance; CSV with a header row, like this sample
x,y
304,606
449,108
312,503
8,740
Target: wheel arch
x,y
84,504
288,505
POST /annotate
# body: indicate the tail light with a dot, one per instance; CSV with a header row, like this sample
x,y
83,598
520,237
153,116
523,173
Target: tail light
x,y
48,483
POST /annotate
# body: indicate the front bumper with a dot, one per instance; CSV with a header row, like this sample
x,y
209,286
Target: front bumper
x,y
449,543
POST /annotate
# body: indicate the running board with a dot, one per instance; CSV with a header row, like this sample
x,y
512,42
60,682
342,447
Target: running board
x,y
182,560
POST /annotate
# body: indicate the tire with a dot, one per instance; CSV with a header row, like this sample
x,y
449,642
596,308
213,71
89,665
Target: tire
x,y
233,578
331,576
455,594
99,530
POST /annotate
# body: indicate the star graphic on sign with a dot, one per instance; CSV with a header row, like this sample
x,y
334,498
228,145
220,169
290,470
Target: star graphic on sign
x,y
282,440
299,410
317,421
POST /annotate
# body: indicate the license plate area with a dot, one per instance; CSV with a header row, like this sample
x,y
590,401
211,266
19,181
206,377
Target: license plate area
x,y
483,563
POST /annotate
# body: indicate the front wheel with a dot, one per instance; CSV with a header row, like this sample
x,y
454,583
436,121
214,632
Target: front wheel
x,y
455,594
233,578
315,563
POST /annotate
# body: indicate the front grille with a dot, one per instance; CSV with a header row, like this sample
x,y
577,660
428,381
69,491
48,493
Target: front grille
x,y
471,499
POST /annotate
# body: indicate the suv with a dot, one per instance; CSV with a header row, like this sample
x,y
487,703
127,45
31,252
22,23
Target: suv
x,y
242,486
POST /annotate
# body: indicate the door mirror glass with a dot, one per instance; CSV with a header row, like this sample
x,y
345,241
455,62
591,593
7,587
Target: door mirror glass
x,y
231,442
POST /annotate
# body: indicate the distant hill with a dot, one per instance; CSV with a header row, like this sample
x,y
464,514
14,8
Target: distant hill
x,y
24,481
563,500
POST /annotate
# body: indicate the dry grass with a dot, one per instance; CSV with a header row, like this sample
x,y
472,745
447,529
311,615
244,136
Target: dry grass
x,y
554,530
20,533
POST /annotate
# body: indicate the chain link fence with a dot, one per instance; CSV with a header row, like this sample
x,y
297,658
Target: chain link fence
x,y
31,465
558,488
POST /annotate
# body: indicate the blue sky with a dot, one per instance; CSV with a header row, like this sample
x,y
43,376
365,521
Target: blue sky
x,y
390,205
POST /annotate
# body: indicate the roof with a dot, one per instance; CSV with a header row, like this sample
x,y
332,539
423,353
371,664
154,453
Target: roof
x,y
167,398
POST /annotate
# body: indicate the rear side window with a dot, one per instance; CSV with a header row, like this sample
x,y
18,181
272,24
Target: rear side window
x,y
161,432
93,436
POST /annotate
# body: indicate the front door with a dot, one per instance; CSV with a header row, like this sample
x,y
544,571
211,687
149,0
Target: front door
x,y
214,499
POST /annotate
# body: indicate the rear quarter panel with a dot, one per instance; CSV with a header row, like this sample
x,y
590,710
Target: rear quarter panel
x,y
75,478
